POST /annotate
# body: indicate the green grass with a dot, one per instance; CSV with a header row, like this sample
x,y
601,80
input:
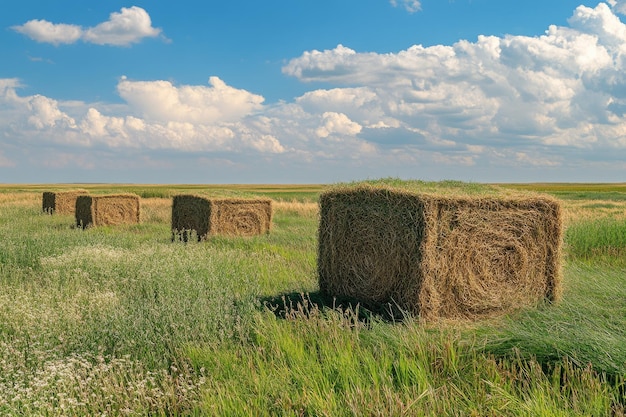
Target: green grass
x,y
327,363
122,321
603,239
587,326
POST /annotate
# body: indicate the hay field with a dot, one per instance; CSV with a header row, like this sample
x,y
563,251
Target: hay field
x,y
120,320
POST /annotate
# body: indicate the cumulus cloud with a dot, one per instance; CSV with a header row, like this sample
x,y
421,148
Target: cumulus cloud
x,y
47,32
123,28
128,26
337,123
44,112
186,118
564,88
163,101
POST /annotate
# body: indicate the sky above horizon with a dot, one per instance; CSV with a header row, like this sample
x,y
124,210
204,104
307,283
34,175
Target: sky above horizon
x,y
312,92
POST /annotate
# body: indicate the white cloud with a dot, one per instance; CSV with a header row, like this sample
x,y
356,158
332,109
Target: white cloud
x,y
186,119
601,23
136,133
411,6
45,113
337,123
323,63
512,91
130,25
47,32
337,98
163,101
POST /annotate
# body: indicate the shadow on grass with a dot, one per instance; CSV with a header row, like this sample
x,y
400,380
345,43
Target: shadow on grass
x,y
298,304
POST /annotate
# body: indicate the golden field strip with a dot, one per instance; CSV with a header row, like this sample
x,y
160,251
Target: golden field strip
x,y
170,188
581,201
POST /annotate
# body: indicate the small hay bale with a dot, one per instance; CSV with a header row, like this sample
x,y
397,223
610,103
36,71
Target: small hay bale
x,y
219,216
439,257
60,202
112,209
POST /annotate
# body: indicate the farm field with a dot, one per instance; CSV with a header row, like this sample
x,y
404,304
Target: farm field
x,y
121,320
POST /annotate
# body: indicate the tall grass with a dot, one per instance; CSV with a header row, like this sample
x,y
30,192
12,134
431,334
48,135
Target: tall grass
x,y
92,322
122,321
603,238
328,363
587,327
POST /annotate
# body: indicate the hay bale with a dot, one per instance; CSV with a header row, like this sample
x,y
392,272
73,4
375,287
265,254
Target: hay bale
x,y
60,202
439,256
219,216
112,209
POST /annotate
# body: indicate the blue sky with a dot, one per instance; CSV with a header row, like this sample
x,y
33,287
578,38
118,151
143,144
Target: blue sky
x,y
312,92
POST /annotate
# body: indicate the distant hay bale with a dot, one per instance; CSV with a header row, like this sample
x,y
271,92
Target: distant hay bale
x,y
61,202
220,216
439,257
112,209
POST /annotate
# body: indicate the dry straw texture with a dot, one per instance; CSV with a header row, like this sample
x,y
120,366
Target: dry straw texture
x,y
224,216
113,209
436,256
61,202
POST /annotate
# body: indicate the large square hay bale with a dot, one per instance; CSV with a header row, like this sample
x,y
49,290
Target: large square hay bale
x,y
439,256
220,216
112,209
60,202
